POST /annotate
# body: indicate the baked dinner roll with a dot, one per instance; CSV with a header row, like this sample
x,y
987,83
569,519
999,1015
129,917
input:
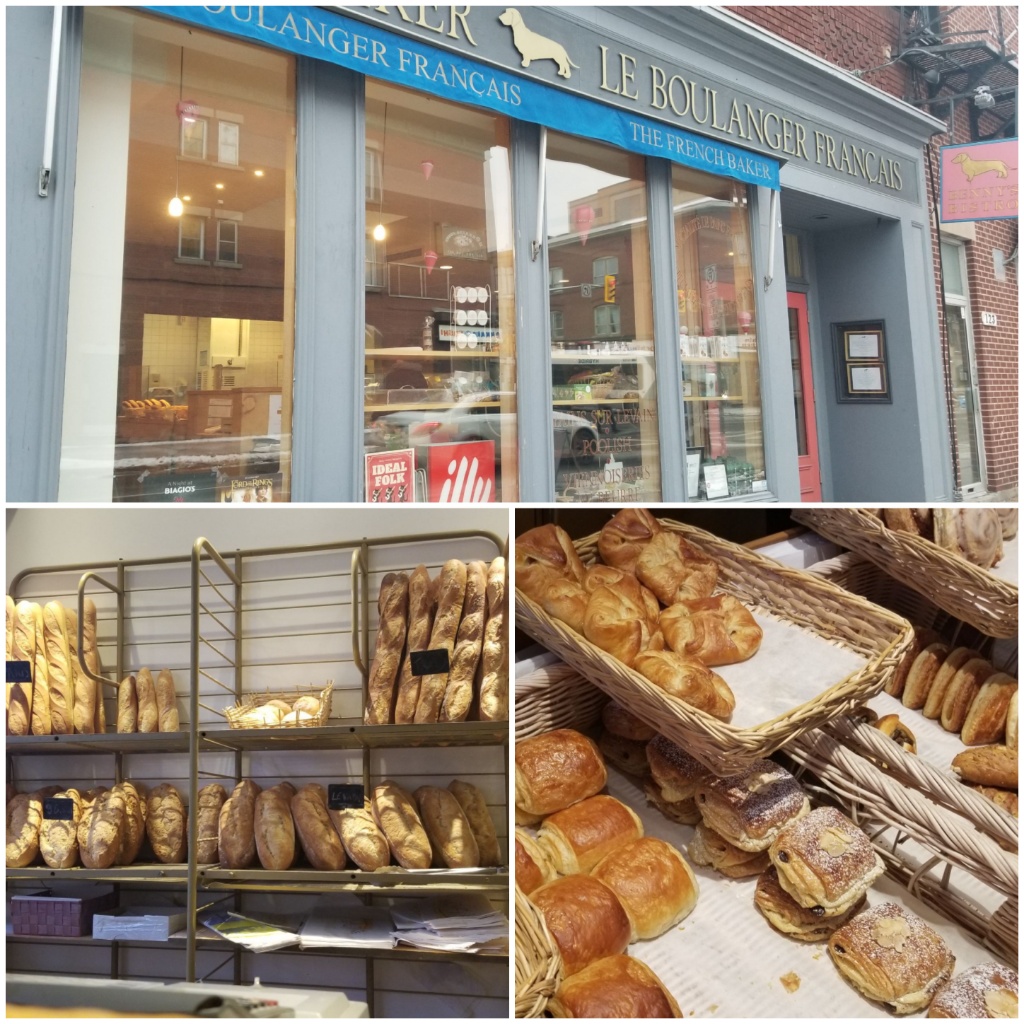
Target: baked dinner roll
x,y
689,680
533,868
709,849
576,838
955,660
616,620
675,570
629,756
719,630
824,860
985,990
785,915
653,882
616,986
966,685
625,536
986,718
751,809
890,955
922,674
585,919
1011,722
676,772
557,769
544,554
994,765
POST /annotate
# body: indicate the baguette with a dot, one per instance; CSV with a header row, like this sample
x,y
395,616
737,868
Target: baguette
x,y
451,593
23,648
42,715
166,702
274,828
320,840
493,683
422,605
127,705
85,688
364,842
393,618
11,616
58,663
58,840
101,830
167,824
24,819
90,656
145,691
458,694
211,800
474,806
236,839
395,813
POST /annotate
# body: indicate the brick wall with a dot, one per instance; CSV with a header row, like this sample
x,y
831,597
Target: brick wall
x,y
859,38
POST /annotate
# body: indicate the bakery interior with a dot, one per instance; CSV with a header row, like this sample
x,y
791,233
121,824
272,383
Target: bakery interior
x,y
766,762
348,854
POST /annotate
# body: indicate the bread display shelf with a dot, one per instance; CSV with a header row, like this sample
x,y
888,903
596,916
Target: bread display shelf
x,y
391,879
828,615
101,743
353,735
976,596
174,875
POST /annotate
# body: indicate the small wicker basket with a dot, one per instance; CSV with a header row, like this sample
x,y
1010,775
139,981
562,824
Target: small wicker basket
x,y
236,716
555,697
538,962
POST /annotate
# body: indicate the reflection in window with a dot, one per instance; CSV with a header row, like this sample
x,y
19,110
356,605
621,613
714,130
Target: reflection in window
x,y
193,138
227,144
557,324
227,241
603,267
607,321
191,236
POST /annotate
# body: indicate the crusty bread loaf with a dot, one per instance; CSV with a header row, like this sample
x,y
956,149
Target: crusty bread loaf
x,y
12,614
167,824
458,694
395,813
90,656
134,821
58,839
422,605
101,830
24,818
320,840
474,806
448,828
42,717
127,705
58,662
363,840
451,594
986,719
166,702
236,840
145,691
994,765
85,689
393,620
492,685
211,800
274,828
23,648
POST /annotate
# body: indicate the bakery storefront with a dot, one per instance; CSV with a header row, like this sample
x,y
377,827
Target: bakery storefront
x,y
581,256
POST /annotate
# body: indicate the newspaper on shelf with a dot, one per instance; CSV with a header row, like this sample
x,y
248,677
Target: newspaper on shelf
x,y
257,936
355,926
465,922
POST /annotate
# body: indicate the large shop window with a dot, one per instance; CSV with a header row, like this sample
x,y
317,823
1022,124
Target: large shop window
x,y
180,320
717,337
602,340
440,296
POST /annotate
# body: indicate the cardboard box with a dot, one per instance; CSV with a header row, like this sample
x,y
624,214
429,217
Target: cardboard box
x,y
143,924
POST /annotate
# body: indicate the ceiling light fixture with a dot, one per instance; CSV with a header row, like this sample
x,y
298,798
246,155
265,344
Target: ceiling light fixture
x,y
259,174
379,232
175,208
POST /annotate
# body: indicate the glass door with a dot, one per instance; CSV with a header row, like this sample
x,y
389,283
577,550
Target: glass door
x,y
803,398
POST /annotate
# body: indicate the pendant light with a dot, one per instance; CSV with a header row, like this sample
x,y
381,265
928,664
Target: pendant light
x,y
379,232
184,113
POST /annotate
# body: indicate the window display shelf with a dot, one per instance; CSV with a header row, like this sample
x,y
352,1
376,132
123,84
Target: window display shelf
x,y
352,735
575,403
711,359
714,398
392,880
580,357
427,406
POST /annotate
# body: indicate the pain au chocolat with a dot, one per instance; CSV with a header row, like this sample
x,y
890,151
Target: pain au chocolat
x,y
785,915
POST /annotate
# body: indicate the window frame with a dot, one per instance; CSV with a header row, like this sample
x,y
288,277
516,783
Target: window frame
x,y
205,139
614,316
220,260
201,221
602,267
221,126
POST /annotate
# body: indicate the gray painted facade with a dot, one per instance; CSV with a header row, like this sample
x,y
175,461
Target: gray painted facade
x,y
871,259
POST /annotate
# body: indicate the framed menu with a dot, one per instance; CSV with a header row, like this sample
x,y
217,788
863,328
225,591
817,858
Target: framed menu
x,y
862,371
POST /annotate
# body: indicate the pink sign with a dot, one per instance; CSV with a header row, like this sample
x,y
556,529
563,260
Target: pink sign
x,y
978,181
461,472
390,476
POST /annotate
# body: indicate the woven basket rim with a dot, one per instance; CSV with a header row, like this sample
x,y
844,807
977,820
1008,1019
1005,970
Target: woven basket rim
x,y
538,961
252,701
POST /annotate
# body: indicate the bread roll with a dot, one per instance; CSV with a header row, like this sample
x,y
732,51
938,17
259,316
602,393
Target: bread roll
x,y
623,538
956,659
962,691
533,869
986,719
266,716
296,718
395,813
676,570
492,676
283,706
364,842
474,806
60,675
211,800
167,824
615,986
393,618
24,819
101,830
458,694
557,769
447,828
1011,722
422,605
922,675
58,840
718,630
11,616
23,648
980,992
451,594
308,705
127,705
134,822
274,828
145,691
236,839
85,689
994,765
166,702
576,838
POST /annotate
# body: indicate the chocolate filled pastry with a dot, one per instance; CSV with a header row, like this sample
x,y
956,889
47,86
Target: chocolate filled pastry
x,y
689,680
922,674
533,868
677,773
986,990
620,722
824,860
890,955
785,915
585,919
896,730
616,620
994,765
709,849
655,885
683,811
576,838
555,770
718,630
629,756
749,810
986,718
956,659
675,570
625,536
616,986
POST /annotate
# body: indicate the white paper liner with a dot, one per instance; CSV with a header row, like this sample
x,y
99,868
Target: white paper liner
x,y
724,960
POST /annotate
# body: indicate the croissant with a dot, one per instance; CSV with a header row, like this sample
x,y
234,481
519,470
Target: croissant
x,y
689,680
566,601
616,621
606,576
718,630
625,536
975,534
545,558
675,570
909,520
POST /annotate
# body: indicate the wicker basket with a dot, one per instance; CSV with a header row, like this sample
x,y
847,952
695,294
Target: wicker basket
x,y
555,697
538,962
236,715
966,591
789,594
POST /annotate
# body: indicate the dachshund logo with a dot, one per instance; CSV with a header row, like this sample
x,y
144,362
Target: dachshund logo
x,y
972,168
532,46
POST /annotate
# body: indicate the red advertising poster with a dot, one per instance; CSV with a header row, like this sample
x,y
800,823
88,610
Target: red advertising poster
x,y
390,476
461,472
978,181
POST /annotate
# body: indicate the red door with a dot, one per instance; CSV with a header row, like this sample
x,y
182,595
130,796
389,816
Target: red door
x,y
803,397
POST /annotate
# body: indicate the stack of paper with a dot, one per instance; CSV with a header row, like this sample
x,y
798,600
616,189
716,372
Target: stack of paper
x,y
348,926
461,923
256,935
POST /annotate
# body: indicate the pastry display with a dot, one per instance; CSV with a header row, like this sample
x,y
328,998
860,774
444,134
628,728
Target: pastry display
x,y
624,537
576,838
689,680
897,730
789,917
718,630
985,990
710,849
974,534
555,770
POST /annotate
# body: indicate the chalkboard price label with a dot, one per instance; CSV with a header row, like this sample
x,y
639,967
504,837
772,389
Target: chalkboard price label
x,y
343,796
19,671
428,663
59,809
